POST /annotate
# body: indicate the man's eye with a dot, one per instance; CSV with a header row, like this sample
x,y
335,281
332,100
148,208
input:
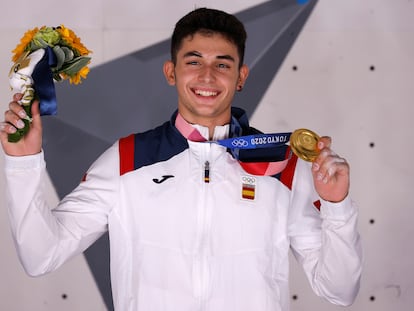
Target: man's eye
x,y
193,63
223,66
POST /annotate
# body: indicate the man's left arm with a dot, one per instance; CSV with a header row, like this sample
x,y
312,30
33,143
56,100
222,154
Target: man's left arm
x,y
327,244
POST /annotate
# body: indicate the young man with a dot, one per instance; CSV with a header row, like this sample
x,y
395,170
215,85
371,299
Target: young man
x,y
191,227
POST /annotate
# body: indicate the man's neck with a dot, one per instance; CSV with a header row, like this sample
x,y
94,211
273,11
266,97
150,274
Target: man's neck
x,y
207,132
210,123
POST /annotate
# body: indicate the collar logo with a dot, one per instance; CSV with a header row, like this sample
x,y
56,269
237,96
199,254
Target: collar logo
x,y
248,188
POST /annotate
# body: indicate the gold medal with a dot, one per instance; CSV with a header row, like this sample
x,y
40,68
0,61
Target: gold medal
x,y
304,144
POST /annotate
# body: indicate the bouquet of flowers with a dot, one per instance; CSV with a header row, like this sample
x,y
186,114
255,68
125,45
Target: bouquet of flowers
x,y
42,57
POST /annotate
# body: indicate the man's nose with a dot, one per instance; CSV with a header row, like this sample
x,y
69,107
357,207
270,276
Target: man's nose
x,y
207,74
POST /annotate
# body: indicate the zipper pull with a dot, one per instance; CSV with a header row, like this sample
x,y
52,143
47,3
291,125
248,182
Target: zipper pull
x,y
206,172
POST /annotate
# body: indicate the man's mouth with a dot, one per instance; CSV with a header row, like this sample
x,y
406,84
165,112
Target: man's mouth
x,y
205,93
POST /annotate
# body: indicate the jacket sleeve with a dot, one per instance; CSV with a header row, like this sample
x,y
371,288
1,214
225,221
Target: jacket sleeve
x,y
45,237
325,240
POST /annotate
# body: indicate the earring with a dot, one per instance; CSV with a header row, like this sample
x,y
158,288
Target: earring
x,y
239,88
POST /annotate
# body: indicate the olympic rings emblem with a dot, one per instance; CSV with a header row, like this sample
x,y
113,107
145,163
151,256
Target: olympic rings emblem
x,y
249,180
239,142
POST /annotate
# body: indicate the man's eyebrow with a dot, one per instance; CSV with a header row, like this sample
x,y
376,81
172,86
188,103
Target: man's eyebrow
x,y
228,57
192,53
198,54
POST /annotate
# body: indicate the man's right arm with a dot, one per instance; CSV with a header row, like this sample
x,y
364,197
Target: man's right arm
x,y
45,237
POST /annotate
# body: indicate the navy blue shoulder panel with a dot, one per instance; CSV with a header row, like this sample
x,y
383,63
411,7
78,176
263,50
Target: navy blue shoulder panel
x,y
158,144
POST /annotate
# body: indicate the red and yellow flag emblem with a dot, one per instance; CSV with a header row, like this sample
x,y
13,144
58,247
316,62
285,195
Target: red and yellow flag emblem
x,y
248,187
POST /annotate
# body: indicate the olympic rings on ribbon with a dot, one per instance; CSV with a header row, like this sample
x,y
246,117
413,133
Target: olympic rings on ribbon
x,y
239,142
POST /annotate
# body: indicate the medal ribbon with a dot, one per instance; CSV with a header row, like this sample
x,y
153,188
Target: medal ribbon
x,y
255,141
242,142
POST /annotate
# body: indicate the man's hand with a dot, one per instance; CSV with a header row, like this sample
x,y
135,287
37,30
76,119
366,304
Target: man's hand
x,y
31,143
330,173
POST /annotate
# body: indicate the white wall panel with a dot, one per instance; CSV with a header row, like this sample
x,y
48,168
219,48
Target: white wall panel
x,y
333,90
354,82
29,14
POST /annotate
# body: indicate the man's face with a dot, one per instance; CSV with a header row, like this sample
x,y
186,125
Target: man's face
x,y
206,76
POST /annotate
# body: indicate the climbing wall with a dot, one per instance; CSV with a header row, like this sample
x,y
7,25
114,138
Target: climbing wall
x,y
341,68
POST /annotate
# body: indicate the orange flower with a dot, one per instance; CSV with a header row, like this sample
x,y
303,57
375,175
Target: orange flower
x,y
24,42
77,78
70,38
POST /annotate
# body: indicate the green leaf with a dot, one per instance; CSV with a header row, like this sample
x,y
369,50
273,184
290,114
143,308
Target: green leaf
x,y
39,43
73,67
69,55
60,57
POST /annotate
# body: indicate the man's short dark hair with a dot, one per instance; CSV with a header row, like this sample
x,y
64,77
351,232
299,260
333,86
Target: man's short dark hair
x,y
207,21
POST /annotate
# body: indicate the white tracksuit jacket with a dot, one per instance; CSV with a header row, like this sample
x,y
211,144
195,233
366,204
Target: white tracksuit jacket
x,y
179,243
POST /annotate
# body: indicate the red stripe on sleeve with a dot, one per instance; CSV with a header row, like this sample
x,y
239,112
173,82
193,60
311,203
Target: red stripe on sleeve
x,y
317,204
126,154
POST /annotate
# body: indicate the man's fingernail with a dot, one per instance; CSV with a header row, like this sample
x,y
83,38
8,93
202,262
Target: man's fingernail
x,y
319,176
22,114
20,124
320,145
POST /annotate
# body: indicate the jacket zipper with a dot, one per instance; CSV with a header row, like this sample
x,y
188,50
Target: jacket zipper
x,y
202,269
207,172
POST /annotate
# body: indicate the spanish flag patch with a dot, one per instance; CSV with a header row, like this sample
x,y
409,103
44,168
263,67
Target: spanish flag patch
x,y
248,187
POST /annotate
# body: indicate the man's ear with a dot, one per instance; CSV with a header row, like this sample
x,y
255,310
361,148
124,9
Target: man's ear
x,y
243,74
169,72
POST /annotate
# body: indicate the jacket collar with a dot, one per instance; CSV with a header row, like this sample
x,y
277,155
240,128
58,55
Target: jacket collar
x,y
239,125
